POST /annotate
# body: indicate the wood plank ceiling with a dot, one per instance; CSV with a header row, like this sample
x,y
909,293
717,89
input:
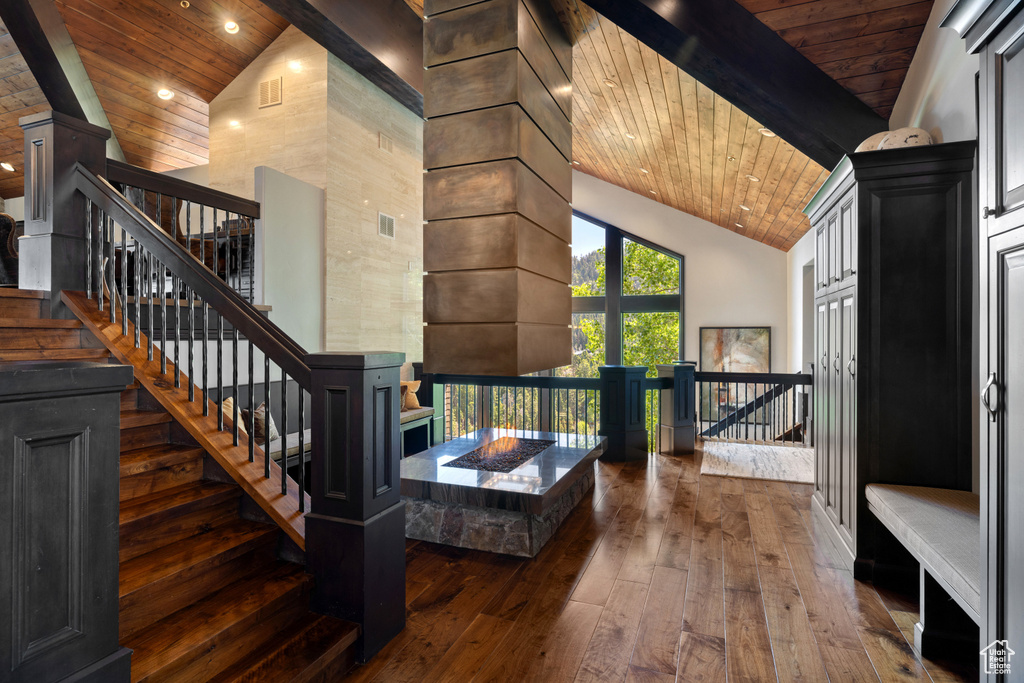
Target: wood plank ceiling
x,y
645,125
865,45
20,95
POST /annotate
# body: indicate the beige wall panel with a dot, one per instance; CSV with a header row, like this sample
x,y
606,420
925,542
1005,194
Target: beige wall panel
x,y
503,241
553,31
492,134
495,187
539,56
492,80
505,349
470,32
494,296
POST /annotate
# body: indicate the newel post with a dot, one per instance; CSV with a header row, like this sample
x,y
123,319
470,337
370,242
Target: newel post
x,y
53,252
355,531
678,429
624,412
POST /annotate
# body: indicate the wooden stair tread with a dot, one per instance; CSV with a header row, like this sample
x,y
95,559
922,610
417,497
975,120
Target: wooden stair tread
x,y
226,541
54,354
40,323
216,625
143,418
177,500
142,460
13,293
296,654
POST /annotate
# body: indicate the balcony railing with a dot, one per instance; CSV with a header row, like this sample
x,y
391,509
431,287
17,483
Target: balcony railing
x,y
769,408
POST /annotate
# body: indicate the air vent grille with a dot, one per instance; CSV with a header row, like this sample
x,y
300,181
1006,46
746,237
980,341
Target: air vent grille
x,y
270,92
385,225
385,144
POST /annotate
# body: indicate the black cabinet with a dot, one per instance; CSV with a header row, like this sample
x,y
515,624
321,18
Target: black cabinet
x,y
893,332
996,31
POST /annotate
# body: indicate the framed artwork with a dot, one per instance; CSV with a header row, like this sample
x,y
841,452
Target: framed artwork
x,y
736,349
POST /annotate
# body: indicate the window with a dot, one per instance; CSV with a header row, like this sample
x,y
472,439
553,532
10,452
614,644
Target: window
x,y
619,277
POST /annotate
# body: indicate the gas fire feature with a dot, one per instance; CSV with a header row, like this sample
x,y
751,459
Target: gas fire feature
x,y
514,510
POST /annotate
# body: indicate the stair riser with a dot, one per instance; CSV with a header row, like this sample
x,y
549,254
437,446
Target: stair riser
x,y
161,479
144,437
20,308
32,338
145,535
158,599
130,399
221,650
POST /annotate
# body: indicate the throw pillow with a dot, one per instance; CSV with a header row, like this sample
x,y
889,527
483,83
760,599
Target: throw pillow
x,y
265,427
228,408
411,402
404,394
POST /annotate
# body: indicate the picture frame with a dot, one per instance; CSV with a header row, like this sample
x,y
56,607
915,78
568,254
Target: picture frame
x,y
736,349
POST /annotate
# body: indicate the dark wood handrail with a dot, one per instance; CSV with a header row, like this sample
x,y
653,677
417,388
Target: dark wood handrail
x,y
588,383
265,335
754,377
122,173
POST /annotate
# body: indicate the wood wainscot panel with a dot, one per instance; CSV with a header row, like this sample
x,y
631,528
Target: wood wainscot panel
x,y
496,349
493,134
493,188
492,80
502,241
495,296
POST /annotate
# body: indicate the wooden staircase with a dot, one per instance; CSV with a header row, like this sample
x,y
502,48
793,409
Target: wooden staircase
x,y
203,595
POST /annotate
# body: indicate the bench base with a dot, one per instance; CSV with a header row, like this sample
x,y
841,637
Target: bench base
x,y
944,631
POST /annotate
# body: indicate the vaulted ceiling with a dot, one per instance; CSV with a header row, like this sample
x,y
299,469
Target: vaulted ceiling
x,y
640,122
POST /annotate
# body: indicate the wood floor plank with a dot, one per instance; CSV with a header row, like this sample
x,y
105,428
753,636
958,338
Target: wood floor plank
x,y
565,645
642,553
638,675
703,611
678,537
596,583
848,665
738,563
830,622
747,645
769,548
607,655
701,658
468,653
796,652
657,643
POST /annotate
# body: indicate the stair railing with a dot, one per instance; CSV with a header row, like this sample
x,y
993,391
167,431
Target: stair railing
x,y
753,407
128,251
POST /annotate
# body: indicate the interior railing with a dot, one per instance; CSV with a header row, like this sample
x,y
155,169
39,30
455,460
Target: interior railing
x,y
128,251
566,405
770,408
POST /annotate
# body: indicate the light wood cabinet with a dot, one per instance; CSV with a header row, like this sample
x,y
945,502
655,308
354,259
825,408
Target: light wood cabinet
x,y
893,333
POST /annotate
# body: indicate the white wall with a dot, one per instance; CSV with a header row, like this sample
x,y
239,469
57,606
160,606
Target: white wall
x,y
938,93
799,256
730,280
15,208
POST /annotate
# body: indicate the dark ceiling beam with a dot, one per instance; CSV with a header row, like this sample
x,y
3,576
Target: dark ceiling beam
x,y
44,42
380,39
728,49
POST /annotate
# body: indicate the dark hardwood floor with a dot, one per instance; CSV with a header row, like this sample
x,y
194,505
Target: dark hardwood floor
x,y
660,574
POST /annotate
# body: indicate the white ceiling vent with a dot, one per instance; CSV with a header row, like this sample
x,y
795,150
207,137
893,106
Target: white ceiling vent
x,y
385,225
270,92
385,144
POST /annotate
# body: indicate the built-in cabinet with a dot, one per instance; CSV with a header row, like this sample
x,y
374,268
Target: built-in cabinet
x,y
893,333
997,33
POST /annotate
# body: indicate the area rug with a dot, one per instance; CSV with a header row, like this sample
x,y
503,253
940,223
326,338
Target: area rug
x,y
757,461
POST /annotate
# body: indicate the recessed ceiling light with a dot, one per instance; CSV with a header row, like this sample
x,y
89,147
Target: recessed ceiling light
x,y
234,124
652,191
753,178
744,207
731,158
630,136
739,225
575,162
765,132
644,170
231,27
185,4
610,83
6,166
164,94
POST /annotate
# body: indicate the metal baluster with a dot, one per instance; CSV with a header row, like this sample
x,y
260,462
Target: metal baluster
x,y
234,385
267,418
190,300
149,301
162,275
206,353
220,371
302,452
251,225
216,245
252,410
124,282
202,234
175,287
284,433
99,258
112,288
88,248
139,251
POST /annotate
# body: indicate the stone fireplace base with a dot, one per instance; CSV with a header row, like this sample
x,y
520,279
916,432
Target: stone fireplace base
x,y
514,513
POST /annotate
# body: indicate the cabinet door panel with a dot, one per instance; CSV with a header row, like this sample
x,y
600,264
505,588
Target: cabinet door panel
x,y
833,245
820,263
847,415
848,246
1001,153
835,442
821,378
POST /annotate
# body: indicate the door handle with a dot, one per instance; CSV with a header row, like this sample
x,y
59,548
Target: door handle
x,y
992,406
835,364
850,366
824,361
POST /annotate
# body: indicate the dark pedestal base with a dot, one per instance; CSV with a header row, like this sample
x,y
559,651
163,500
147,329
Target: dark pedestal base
x,y
116,667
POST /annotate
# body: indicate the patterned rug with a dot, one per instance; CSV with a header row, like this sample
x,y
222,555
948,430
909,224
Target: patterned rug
x,y
757,461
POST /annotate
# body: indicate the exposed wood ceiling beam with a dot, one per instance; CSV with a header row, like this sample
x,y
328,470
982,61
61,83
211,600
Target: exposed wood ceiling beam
x,y
43,40
727,49
380,39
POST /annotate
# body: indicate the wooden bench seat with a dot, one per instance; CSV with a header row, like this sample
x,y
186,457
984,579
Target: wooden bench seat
x,y
941,529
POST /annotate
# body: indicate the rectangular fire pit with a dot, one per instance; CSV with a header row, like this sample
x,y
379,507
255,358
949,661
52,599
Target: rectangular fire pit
x,y
513,512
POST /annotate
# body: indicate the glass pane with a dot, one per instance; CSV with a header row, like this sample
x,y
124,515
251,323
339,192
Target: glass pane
x,y
587,346
648,271
587,258
649,339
